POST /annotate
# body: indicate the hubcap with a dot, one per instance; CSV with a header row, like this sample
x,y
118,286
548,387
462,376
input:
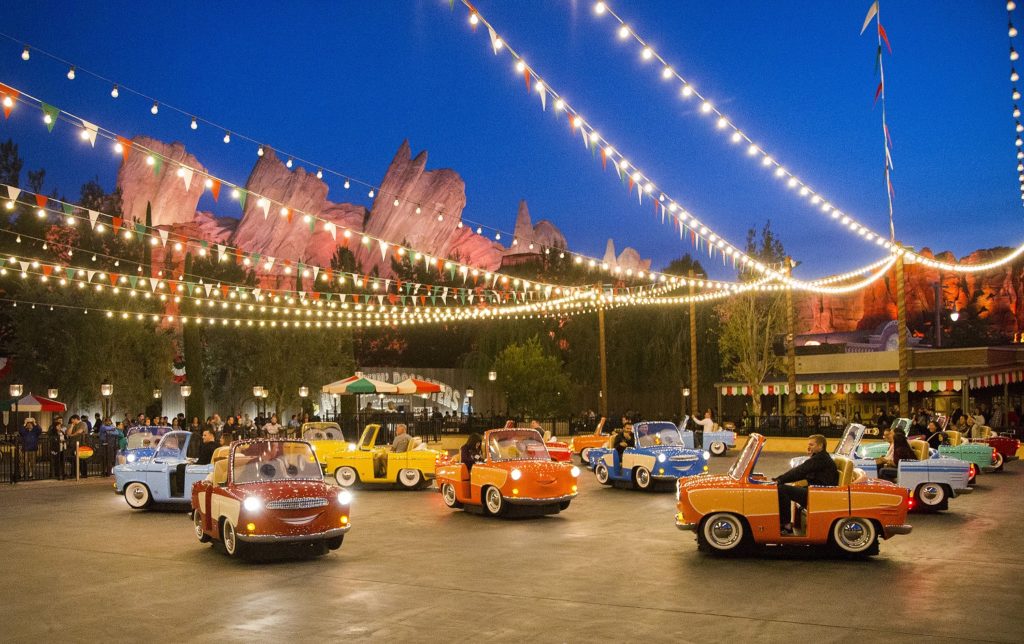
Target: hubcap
x,y
448,492
930,494
229,538
345,476
602,473
643,477
138,493
723,532
585,455
493,500
854,534
410,477
717,448
197,521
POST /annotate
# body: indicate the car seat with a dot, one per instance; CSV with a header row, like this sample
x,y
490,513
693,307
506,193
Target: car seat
x,y
845,468
955,437
920,449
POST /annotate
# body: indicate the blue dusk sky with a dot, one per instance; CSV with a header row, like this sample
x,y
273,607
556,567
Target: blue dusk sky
x,y
343,83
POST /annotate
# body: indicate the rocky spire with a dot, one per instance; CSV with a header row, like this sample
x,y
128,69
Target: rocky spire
x,y
609,254
524,227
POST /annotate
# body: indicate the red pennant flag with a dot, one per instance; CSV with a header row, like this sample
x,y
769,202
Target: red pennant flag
x,y
41,201
631,185
315,295
878,92
655,202
215,189
526,77
238,257
113,278
117,221
13,94
604,160
423,299
330,275
223,291
440,265
47,270
290,214
355,298
392,298
125,146
885,37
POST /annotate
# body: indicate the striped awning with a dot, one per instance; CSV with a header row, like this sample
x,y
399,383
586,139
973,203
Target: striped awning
x,y
826,388
994,379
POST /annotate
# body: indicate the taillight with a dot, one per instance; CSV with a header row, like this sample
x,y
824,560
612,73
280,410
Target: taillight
x,y
910,503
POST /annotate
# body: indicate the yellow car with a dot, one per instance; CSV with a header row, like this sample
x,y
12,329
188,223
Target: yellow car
x,y
326,439
368,463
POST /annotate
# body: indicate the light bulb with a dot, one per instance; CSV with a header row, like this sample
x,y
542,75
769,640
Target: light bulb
x,y
687,91
705,107
155,108
666,73
24,53
71,73
8,102
289,162
474,19
114,93
227,137
319,173
259,151
1011,5
1014,76
647,53
47,119
347,184
1012,31
372,193
520,66
1013,54
623,32
195,124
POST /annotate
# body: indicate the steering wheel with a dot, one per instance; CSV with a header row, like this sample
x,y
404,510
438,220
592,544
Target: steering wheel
x,y
267,470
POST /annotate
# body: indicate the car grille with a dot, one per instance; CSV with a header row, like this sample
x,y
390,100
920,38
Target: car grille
x,y
297,504
685,458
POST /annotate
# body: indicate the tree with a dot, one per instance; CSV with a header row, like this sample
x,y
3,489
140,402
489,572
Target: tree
x,y
534,381
752,320
10,163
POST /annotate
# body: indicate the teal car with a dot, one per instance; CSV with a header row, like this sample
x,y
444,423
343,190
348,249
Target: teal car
x,y
980,455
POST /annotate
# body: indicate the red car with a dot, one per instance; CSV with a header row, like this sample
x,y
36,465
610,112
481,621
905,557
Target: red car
x,y
1004,449
269,491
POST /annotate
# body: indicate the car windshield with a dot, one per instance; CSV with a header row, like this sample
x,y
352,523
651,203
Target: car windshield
x,y
172,445
744,459
367,439
145,437
901,423
322,432
850,440
517,445
262,461
654,434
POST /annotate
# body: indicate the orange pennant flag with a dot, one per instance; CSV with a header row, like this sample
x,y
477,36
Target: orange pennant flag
x,y
215,189
13,94
125,146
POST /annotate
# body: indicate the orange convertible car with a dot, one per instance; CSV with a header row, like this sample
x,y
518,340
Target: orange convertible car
x,y
516,471
741,507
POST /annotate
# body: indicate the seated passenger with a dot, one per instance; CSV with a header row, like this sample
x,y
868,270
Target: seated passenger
x,y
470,453
934,436
621,442
819,469
399,445
900,450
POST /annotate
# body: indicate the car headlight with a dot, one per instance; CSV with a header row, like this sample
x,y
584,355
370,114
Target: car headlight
x,y
575,471
344,497
661,458
351,447
516,474
252,503
132,458
707,455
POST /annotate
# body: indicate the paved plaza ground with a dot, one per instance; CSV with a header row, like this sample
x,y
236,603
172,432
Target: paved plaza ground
x,y
78,565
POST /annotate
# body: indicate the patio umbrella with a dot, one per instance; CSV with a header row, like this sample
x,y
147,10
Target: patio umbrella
x,y
359,384
33,403
414,386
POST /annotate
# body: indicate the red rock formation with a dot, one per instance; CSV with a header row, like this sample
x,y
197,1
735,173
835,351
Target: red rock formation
x,y
165,190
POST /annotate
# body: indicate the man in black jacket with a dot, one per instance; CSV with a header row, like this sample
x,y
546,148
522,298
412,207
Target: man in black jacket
x,y
208,447
819,469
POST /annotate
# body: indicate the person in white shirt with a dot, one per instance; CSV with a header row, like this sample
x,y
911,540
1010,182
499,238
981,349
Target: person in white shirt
x,y
706,424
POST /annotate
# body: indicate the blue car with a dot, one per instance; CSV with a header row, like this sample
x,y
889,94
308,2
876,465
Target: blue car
x,y
165,477
659,454
717,442
141,442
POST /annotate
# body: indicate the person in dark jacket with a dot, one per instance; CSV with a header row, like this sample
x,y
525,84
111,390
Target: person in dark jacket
x,y
470,453
621,442
901,451
29,433
56,443
206,449
819,469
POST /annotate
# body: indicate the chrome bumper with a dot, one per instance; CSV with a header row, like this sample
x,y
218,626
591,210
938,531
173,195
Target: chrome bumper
x,y
691,527
891,530
966,490
282,538
528,500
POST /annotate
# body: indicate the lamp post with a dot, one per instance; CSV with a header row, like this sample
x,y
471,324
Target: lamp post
x,y
303,393
469,399
52,393
106,390
16,392
491,377
257,394
685,391
186,391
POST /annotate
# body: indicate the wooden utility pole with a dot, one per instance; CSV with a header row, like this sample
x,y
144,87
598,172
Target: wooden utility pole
x,y
901,340
694,385
603,397
790,346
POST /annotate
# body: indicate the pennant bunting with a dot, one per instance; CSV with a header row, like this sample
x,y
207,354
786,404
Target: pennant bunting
x,y
126,145
215,189
884,36
12,193
494,39
53,113
872,12
41,201
186,176
90,132
93,216
13,94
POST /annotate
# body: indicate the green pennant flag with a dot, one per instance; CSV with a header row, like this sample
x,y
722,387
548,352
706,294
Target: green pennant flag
x,y
70,272
312,224
462,296
140,228
204,244
133,280
158,163
451,271
403,300
328,295
53,113
255,258
242,195
68,208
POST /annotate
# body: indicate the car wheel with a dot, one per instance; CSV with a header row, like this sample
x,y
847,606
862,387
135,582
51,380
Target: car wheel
x,y
564,505
931,496
137,495
718,448
410,478
854,535
493,502
722,532
197,524
346,476
448,494
642,478
585,456
229,537
334,542
603,475
997,461
318,548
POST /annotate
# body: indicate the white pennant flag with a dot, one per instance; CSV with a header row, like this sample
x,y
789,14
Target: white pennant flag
x,y
331,228
221,248
383,248
444,295
543,96
269,263
494,39
380,300
88,275
256,292
316,271
153,284
93,216
186,176
264,203
495,281
12,193
163,237
90,132
24,266
207,288
387,284
471,296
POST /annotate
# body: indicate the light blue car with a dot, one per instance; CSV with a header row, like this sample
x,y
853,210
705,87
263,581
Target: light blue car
x,y
717,442
141,442
659,455
931,480
165,477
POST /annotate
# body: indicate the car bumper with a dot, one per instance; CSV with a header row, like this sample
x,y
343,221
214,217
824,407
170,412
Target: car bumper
x,y
529,500
691,527
962,491
289,538
892,530
988,469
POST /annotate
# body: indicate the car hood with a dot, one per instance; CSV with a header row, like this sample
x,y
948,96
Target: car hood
x,y
278,490
702,481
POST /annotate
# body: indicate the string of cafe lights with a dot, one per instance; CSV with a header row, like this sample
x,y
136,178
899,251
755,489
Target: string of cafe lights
x,y
1011,6
532,243
737,136
685,218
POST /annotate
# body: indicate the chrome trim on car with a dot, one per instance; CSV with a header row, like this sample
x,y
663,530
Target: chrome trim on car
x,y
898,529
287,538
692,527
529,500
302,503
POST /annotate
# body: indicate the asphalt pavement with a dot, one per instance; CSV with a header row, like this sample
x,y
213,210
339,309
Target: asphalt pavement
x,y
79,565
